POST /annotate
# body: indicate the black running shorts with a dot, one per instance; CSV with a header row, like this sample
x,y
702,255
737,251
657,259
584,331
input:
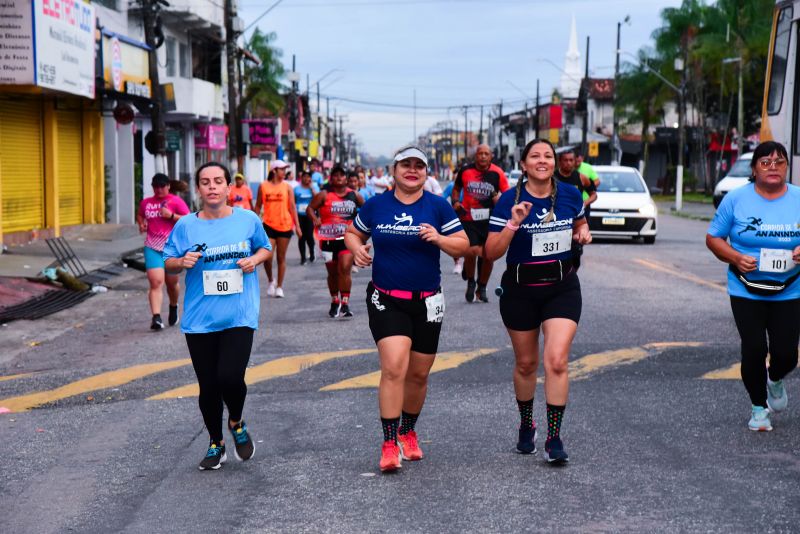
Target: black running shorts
x,y
525,308
332,248
389,316
477,232
275,234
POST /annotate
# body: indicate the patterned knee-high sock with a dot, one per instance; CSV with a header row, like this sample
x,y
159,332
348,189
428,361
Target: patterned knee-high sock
x,y
408,422
555,414
390,428
525,413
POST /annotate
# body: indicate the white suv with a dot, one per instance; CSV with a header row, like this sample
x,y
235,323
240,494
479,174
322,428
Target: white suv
x,y
738,176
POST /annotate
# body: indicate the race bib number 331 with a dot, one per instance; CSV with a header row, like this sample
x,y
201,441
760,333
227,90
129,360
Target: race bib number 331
x,y
549,243
223,282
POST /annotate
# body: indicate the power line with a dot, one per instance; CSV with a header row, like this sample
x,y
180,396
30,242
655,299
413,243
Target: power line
x,y
411,106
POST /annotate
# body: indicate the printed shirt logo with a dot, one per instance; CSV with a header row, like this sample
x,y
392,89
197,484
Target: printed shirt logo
x,y
752,225
227,254
542,215
480,190
403,225
343,207
403,218
761,229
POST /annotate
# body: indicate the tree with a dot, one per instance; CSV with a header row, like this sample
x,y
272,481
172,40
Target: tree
x,y
263,82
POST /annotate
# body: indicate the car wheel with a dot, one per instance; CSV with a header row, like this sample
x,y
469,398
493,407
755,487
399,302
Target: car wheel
x,y
649,239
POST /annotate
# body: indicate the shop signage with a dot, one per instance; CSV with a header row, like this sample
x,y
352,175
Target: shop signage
x,y
126,65
16,43
262,131
174,140
210,136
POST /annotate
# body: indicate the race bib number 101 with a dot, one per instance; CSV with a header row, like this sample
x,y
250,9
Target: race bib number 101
x,y
549,243
773,260
223,282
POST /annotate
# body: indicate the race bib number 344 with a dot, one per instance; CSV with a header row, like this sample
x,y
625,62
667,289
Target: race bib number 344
x,y
435,306
223,282
549,243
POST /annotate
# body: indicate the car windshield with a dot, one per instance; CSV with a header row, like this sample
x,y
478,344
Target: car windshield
x,y
620,182
741,169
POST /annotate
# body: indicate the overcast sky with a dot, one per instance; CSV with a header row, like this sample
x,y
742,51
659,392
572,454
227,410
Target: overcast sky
x,y
453,52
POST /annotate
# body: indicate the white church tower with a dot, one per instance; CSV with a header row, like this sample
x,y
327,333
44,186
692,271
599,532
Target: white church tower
x,y
571,77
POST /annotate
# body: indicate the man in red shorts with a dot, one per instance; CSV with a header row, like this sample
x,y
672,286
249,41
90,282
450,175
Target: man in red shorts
x,y
482,183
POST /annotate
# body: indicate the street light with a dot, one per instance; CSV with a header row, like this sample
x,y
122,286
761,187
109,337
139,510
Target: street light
x,y
615,124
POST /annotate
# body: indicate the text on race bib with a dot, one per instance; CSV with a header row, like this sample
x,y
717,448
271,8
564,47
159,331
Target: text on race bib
x,y
223,282
774,260
479,214
435,307
549,243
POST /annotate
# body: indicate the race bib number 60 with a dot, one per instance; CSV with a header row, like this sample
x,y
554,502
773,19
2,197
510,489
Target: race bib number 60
x,y
435,306
224,282
549,243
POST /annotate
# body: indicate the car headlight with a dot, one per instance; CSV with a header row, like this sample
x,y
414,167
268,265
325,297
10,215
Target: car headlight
x,y
648,210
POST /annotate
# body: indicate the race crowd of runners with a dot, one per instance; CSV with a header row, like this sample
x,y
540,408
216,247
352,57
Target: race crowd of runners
x,y
397,224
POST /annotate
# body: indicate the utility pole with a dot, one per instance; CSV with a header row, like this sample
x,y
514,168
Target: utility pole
x,y
537,109
466,126
342,159
154,38
615,127
585,129
336,156
680,65
415,115
293,115
740,122
319,122
233,122
327,128
480,129
500,132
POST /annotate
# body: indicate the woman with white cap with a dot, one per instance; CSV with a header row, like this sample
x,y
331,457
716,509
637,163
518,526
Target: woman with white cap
x,y
405,304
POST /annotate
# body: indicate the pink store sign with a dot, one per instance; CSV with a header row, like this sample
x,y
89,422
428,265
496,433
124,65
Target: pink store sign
x,y
211,136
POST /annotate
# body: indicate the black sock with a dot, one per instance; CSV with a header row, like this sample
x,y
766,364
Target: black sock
x,y
156,316
525,413
555,414
390,428
409,420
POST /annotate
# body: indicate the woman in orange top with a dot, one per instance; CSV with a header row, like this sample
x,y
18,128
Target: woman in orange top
x,y
279,216
240,195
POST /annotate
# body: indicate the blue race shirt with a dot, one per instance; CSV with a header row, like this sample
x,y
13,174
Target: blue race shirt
x,y
302,198
569,209
403,260
366,193
317,179
752,223
226,241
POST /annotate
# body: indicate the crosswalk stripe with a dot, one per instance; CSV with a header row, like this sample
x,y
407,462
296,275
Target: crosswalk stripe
x,y
444,362
14,377
105,380
656,266
289,365
734,372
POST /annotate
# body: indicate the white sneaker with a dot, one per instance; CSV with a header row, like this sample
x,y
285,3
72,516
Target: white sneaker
x,y
459,266
777,399
354,269
271,289
278,292
759,420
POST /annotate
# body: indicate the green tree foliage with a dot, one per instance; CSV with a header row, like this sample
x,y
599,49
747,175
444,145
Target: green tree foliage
x,y
263,82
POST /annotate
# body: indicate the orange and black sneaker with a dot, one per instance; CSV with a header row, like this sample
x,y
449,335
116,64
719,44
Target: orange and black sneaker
x,y
390,457
409,446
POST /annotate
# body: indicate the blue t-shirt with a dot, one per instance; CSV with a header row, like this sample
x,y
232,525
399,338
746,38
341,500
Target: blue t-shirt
x,y
402,259
752,223
225,241
317,179
302,198
535,240
366,193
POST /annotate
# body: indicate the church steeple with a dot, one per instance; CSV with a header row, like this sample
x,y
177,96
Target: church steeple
x,y
570,78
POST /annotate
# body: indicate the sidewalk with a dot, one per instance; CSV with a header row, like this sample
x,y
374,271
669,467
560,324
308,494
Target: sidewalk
x,y
690,210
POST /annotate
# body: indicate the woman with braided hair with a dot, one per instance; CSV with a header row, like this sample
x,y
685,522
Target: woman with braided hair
x,y
534,225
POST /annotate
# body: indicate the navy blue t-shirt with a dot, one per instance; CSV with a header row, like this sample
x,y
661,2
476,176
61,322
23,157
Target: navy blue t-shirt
x,y
536,241
402,259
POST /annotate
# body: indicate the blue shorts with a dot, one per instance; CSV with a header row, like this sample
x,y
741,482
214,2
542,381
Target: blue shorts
x,y
153,259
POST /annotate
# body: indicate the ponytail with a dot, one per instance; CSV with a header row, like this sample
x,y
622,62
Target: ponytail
x,y
551,215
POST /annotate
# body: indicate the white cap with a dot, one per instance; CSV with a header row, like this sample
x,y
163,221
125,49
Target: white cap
x,y
411,152
279,164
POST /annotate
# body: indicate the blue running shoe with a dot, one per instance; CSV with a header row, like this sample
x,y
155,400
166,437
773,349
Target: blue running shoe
x,y
527,440
777,399
243,445
554,452
759,420
215,457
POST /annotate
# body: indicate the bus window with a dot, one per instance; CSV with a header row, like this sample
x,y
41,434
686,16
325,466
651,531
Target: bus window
x,y
779,57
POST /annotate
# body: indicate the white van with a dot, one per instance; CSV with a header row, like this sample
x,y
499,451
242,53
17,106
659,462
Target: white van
x,y
738,176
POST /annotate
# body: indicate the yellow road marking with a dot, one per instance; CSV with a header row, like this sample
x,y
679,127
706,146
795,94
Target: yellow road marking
x,y
734,372
106,380
444,362
685,276
14,377
289,365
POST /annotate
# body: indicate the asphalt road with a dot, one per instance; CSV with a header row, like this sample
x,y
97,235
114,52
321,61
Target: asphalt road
x,y
656,444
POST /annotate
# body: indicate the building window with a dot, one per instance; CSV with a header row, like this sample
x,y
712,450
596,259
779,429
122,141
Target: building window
x,y
110,4
207,61
171,56
185,65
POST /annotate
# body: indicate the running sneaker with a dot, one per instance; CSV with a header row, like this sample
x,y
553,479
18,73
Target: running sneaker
x,y
470,294
271,289
215,457
459,266
333,313
409,446
554,451
354,269
527,440
344,311
480,293
777,399
279,293
759,420
302,262
390,457
243,445
173,315
157,323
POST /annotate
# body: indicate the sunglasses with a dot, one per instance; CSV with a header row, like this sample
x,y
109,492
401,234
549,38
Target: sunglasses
x,y
766,163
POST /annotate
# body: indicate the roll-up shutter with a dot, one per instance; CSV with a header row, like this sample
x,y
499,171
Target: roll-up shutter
x,y
70,181
21,165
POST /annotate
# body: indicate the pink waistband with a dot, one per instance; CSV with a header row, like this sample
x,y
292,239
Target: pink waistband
x,y
404,294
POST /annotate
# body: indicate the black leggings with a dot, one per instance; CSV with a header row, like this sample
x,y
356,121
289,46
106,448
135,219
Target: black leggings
x,y
307,227
219,360
766,327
